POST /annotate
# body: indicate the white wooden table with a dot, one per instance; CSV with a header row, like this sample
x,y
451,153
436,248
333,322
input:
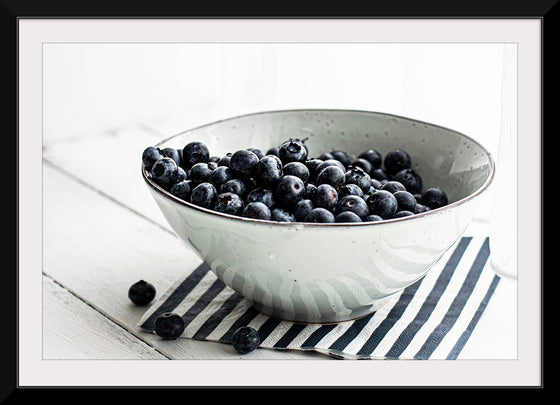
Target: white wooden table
x,y
102,232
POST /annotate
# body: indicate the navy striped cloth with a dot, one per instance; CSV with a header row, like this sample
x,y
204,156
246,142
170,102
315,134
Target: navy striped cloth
x,y
431,319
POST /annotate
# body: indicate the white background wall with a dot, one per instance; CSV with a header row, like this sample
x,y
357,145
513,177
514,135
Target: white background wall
x,y
90,88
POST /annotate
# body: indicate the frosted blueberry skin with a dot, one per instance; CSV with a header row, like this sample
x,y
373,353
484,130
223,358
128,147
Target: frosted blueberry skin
x,y
405,201
382,203
353,203
257,210
393,186
396,160
434,198
379,174
289,191
150,155
261,195
358,176
201,172
220,175
292,151
269,171
141,293
325,197
347,216
204,195
331,175
243,163
234,186
320,215
312,164
172,153
350,189
169,326
245,340
362,164
193,153
183,189
165,172
373,157
297,169
282,215
402,214
342,157
303,208
229,203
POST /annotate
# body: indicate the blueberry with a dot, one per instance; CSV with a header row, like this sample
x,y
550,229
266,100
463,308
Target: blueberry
x,y
272,151
289,191
229,203
281,215
326,156
401,214
224,161
405,201
393,186
362,164
320,215
245,339
350,189
193,153
410,179
327,163
235,186
200,172
332,175
434,198
141,293
373,157
310,190
297,169
181,174
182,189
359,177
312,165
262,195
376,184
342,157
257,152
292,151
165,172
303,208
354,204
396,160
373,218
243,163
150,155
269,171
204,195
379,174
173,153
220,175
214,159
420,208
347,216
325,197
169,326
382,203
257,210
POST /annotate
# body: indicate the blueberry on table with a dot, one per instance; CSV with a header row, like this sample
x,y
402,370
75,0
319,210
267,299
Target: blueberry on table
x,y
269,171
243,163
347,216
396,160
353,203
193,153
382,203
373,157
141,293
293,150
165,172
358,176
405,201
262,195
325,197
320,215
297,169
229,203
257,210
289,190
434,198
200,172
303,208
245,339
282,215
169,326
332,175
204,195
393,186
150,155
410,180
182,189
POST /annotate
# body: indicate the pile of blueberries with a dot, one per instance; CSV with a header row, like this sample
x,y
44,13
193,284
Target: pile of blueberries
x,y
285,184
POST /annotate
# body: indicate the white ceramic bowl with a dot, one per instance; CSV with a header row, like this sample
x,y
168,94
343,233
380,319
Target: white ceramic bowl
x,y
322,273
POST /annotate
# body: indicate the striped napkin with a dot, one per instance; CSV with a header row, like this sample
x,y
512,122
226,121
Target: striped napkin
x,y
431,319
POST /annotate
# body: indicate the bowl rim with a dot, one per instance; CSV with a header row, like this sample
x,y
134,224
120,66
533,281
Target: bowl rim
x,y
167,195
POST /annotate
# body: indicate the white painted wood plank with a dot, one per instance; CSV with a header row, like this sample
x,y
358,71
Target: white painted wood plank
x,y
97,248
68,322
